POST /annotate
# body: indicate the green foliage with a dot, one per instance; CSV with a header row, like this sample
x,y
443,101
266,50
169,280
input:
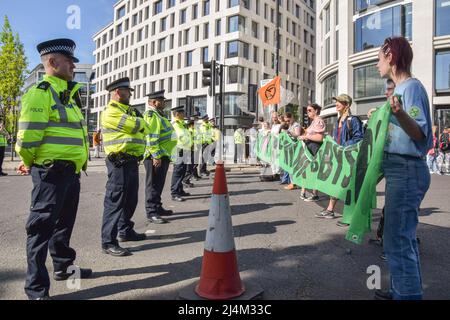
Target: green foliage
x,y
13,65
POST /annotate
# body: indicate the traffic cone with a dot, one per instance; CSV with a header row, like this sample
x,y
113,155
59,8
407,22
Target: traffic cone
x,y
219,278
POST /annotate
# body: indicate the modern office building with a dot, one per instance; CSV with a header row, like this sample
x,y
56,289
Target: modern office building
x,y
163,44
350,33
82,74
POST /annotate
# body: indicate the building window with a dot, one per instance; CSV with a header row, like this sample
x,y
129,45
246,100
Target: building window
x,y
236,23
336,43
373,29
237,49
188,59
327,51
163,24
330,86
120,12
183,16
443,72
194,11
162,45
206,30
205,54
442,17
217,51
367,82
205,7
218,29
361,5
233,3
255,29
157,7
170,3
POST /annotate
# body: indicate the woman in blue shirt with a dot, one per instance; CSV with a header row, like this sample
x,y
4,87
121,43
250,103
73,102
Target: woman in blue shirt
x,y
407,178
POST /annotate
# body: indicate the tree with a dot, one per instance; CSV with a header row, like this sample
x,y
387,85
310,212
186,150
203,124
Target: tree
x,y
13,65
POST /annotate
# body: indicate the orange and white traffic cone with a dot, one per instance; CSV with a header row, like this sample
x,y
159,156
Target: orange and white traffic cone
x,y
220,279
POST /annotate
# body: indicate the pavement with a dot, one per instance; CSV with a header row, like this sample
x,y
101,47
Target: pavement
x,y
280,244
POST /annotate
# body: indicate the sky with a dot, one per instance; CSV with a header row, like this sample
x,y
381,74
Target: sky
x,y
38,21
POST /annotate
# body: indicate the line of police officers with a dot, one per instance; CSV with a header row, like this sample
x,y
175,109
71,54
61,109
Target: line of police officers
x,y
53,142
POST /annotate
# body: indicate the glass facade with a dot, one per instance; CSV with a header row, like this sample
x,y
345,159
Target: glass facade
x,y
371,30
367,82
330,86
442,71
442,17
361,5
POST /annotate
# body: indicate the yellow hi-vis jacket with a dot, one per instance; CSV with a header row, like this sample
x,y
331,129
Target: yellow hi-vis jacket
x,y
51,129
207,134
3,134
239,137
123,131
184,140
161,140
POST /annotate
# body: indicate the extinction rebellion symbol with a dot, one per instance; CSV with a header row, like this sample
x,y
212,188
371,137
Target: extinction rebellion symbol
x,y
270,92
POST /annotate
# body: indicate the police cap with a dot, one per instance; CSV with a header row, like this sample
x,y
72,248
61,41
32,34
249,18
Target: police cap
x,y
178,109
158,95
122,83
62,46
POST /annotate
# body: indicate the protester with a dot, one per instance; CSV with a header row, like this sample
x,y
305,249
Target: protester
x,y
405,170
294,131
444,147
313,140
97,141
433,154
348,131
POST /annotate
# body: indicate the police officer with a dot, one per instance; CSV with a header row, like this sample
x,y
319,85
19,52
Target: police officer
x,y
3,137
190,167
53,141
159,147
183,154
198,142
205,129
123,138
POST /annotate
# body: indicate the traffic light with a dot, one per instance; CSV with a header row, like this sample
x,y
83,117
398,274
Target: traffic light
x,y
209,74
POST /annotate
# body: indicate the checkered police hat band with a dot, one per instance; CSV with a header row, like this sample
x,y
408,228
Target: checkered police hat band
x,y
68,49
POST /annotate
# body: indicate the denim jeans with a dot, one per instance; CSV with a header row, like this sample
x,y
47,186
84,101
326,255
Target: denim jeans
x,y
285,177
432,163
407,181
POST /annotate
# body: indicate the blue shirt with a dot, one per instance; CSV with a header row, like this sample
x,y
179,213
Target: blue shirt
x,y
415,102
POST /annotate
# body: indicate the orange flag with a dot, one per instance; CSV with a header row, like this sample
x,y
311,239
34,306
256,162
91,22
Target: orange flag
x,y
271,92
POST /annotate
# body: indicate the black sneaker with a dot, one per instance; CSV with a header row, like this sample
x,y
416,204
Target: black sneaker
x,y
312,198
185,194
64,275
42,298
156,220
164,212
188,184
303,196
134,236
3,174
383,295
177,199
342,224
116,250
325,214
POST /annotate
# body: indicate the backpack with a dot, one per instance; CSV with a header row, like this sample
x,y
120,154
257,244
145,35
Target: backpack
x,y
444,142
350,128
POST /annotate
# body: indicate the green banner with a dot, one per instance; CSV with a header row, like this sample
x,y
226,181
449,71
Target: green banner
x,y
349,174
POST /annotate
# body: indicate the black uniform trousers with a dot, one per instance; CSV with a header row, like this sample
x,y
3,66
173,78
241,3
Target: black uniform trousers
x,y
2,156
121,199
155,180
205,159
190,169
54,205
179,172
